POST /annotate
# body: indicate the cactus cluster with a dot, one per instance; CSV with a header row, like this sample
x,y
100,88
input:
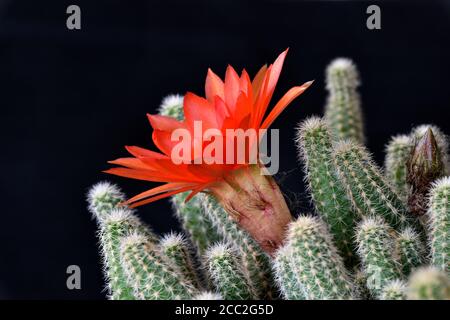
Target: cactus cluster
x,y
366,239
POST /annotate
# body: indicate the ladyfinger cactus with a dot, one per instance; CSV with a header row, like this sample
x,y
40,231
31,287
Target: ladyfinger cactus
x,y
368,189
343,110
178,253
428,283
195,222
255,261
102,198
375,248
285,277
149,276
329,195
172,106
439,220
226,274
394,290
398,152
315,261
409,250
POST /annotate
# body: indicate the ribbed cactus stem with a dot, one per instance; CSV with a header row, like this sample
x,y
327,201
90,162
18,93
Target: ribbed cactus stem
x,y
172,106
398,152
178,253
429,283
329,195
368,189
207,295
343,109
225,271
102,198
375,248
394,290
439,221
255,261
316,262
150,277
285,277
195,222
409,250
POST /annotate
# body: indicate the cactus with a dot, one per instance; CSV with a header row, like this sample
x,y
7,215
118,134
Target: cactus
x,y
226,274
311,256
178,253
375,248
394,290
256,262
149,276
369,191
172,106
428,283
102,198
398,152
343,110
409,250
315,261
286,278
327,192
195,222
439,222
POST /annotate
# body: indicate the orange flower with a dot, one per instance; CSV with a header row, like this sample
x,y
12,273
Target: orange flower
x,y
234,103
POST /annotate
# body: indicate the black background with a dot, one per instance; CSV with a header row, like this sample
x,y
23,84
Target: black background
x,y
70,101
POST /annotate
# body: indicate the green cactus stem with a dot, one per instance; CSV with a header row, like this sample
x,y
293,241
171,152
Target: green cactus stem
x,y
195,222
255,261
439,222
366,186
343,110
285,277
409,250
398,152
329,195
172,106
149,276
394,290
375,248
428,283
314,259
226,274
178,253
102,198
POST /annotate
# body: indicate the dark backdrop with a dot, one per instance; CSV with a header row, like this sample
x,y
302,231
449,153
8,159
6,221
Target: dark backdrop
x,y
70,101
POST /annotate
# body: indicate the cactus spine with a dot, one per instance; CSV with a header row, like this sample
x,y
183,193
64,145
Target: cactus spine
x,y
398,152
439,220
226,273
255,261
409,250
315,261
428,283
206,295
178,253
102,198
343,110
172,106
148,274
327,192
375,248
369,191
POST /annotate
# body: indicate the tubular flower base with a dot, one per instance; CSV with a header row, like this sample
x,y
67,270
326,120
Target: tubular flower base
x,y
234,104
